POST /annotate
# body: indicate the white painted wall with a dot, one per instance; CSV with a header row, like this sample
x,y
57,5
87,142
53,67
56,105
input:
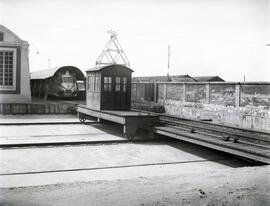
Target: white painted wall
x,y
11,40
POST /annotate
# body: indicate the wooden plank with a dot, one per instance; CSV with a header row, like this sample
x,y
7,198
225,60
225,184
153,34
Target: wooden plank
x,y
101,115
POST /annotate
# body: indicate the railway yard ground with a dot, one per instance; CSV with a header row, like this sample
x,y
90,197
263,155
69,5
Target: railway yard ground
x,y
56,160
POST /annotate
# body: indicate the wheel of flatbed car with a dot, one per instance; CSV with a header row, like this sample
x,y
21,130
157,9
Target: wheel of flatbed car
x,y
129,137
82,119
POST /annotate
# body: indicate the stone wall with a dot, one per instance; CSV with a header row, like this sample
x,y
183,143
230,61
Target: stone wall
x,y
237,104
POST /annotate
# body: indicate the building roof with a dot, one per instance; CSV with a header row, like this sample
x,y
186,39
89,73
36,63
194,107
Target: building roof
x,y
172,78
43,74
177,78
209,79
5,29
46,73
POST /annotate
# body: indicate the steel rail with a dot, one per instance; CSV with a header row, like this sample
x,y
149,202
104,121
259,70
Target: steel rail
x,y
55,144
239,149
113,167
246,143
167,116
221,137
226,129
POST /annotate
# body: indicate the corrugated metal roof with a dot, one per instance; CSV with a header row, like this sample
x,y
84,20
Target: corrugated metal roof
x,y
43,74
46,73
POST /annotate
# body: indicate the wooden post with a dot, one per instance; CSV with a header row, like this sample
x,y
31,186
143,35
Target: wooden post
x,y
237,95
165,92
184,93
208,100
155,92
134,94
46,89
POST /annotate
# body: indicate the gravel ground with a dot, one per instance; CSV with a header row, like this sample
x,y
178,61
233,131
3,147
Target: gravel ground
x,y
239,186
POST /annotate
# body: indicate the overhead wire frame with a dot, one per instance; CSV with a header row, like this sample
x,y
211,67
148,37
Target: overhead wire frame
x,y
111,55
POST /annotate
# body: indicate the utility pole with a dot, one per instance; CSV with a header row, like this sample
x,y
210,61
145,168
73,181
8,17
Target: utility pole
x,y
49,63
169,55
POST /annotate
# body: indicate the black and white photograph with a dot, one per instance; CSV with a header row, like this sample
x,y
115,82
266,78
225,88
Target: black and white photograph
x,y
134,102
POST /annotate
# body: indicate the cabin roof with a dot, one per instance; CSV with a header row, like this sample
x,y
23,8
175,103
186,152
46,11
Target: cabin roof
x,y
98,69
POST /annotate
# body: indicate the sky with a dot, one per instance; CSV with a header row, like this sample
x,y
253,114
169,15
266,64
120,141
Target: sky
x,y
227,38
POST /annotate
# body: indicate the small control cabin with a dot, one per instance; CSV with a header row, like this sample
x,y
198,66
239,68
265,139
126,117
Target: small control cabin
x,y
109,88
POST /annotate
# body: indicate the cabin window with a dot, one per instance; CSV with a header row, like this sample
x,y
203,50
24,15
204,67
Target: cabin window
x,y
124,84
97,83
91,83
117,84
7,69
108,84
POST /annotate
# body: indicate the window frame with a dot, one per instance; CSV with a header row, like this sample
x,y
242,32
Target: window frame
x,y
107,84
91,83
124,84
97,83
118,84
14,70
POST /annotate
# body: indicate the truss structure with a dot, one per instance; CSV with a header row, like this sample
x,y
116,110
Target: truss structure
x,y
113,53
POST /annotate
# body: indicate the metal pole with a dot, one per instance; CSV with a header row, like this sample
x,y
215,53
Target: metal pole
x,y
49,63
169,55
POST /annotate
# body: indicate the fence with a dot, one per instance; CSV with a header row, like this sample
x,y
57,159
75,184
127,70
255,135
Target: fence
x,y
219,93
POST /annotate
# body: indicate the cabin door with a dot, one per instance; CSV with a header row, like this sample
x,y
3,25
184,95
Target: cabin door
x,y
120,97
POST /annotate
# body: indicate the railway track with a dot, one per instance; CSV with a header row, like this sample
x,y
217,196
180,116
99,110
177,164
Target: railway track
x,y
103,149
229,132
245,143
